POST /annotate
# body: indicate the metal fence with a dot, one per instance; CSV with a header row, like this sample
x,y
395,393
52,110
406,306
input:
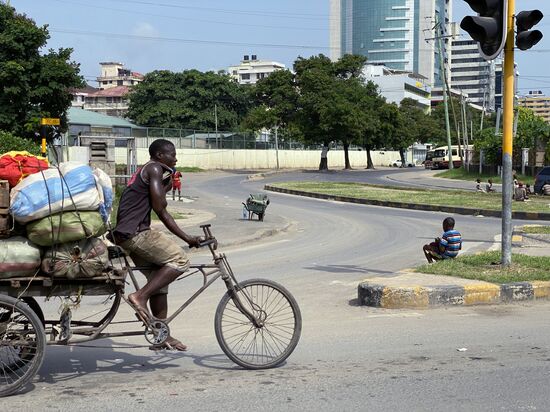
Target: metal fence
x,y
199,139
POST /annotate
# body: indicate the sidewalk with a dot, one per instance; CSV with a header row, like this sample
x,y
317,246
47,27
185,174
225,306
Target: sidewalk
x,y
408,289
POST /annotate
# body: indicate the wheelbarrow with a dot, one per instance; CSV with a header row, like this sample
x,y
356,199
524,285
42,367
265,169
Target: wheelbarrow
x,y
256,204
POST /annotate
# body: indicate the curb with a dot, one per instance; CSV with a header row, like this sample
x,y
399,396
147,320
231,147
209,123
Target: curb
x,y
263,175
424,297
413,206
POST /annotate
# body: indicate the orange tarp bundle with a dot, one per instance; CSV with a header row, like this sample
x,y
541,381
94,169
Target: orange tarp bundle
x,y
14,166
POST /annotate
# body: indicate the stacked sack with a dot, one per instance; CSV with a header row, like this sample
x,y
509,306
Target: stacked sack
x,y
64,210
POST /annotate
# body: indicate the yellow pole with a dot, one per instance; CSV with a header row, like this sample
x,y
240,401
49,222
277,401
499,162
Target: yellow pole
x,y
507,137
43,147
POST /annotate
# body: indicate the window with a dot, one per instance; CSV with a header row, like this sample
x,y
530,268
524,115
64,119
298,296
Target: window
x,y
245,76
119,82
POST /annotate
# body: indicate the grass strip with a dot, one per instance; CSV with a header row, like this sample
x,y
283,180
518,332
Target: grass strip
x,y
452,198
189,169
486,266
536,229
463,174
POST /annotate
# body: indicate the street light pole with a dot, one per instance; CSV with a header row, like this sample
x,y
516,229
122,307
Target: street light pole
x,y
507,138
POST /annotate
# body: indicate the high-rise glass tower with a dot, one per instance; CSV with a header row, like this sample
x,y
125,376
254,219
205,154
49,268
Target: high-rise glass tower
x,y
396,33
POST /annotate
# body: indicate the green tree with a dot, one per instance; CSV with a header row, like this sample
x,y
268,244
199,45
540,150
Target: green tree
x,y
379,121
531,129
33,85
188,99
9,142
275,103
490,143
329,102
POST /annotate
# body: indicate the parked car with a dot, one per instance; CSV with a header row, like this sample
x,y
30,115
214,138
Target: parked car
x,y
542,178
398,163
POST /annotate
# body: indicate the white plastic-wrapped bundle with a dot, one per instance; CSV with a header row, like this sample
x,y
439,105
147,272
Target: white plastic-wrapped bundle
x,y
72,187
18,257
105,187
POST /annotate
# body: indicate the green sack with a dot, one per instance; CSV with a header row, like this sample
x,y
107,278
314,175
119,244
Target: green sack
x,y
73,228
87,258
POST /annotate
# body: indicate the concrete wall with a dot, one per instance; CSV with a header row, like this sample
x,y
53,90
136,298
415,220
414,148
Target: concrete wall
x,y
252,159
264,159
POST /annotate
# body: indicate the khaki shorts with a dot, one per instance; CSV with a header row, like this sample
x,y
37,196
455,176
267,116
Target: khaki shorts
x,y
155,249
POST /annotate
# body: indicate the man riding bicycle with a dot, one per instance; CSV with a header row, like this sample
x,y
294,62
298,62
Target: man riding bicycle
x,y
146,191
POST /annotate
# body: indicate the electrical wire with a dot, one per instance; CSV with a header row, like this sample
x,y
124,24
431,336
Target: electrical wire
x,y
194,20
181,40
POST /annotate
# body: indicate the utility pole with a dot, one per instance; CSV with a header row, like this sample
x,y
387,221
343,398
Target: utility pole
x,y
438,36
277,145
465,132
216,123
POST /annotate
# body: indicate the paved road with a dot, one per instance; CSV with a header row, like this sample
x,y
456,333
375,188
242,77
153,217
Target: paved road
x,y
349,357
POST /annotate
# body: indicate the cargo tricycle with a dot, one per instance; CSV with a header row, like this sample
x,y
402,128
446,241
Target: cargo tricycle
x,y
257,322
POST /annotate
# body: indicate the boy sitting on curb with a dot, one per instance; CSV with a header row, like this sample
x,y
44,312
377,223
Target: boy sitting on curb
x,y
446,247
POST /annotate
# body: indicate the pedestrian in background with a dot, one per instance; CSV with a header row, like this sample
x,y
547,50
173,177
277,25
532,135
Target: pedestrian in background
x,y
176,184
478,186
489,186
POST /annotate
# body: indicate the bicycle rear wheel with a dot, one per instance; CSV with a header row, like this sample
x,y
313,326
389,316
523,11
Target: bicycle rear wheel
x,y
22,343
272,341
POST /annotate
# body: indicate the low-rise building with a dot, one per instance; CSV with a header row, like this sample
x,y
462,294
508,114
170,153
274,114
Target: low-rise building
x,y
252,69
113,74
538,103
396,85
79,96
112,101
111,97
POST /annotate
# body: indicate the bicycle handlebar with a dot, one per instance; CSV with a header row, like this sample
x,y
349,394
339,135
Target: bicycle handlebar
x,y
209,242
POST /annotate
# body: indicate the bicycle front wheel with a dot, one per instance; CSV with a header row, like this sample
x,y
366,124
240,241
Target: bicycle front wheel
x,y
272,339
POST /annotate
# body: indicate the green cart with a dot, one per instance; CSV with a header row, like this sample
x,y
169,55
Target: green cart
x,y
256,204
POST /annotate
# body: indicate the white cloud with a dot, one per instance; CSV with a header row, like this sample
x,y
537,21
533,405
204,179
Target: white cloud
x,y
145,29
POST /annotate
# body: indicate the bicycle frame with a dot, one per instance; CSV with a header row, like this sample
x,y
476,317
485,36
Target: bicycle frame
x,y
220,268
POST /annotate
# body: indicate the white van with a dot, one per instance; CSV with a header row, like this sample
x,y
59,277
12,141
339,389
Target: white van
x,y
440,159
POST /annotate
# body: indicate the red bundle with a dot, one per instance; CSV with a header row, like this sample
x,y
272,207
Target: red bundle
x,y
14,166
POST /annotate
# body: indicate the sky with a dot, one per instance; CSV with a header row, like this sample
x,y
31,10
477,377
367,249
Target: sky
x,y
147,35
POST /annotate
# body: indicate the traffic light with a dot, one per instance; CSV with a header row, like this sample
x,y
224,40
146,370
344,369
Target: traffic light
x,y
525,20
488,28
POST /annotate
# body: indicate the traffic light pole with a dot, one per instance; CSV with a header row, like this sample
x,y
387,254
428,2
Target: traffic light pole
x,y
507,136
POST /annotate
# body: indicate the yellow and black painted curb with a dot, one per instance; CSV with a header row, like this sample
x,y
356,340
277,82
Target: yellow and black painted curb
x,y
424,297
413,206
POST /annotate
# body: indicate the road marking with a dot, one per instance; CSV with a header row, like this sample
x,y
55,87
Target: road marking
x,y
396,315
339,282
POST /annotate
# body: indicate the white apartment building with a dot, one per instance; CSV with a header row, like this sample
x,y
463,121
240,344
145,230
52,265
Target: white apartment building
x,y
114,74
397,85
252,69
472,75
